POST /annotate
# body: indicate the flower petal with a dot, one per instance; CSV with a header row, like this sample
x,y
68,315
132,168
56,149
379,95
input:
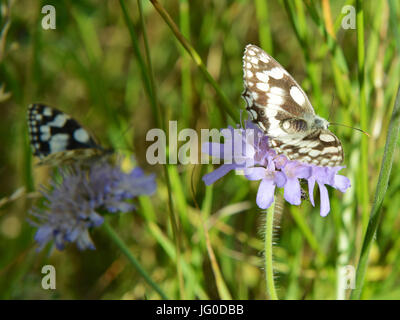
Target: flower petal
x,y
218,173
292,191
255,173
70,207
341,183
265,194
311,184
325,205
251,152
280,179
43,234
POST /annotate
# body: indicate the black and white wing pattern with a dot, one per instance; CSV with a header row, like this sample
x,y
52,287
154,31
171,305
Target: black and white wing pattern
x,y
57,139
278,105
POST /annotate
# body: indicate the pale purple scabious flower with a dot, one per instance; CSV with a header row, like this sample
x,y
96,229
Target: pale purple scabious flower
x,y
249,151
72,206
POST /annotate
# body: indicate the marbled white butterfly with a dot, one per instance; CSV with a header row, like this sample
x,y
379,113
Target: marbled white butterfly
x,y
57,139
279,106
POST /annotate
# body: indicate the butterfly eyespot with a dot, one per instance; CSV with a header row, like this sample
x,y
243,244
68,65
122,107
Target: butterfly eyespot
x,y
281,109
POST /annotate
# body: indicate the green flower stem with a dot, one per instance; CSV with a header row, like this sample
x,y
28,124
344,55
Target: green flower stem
x,y
125,250
268,237
141,63
159,115
363,169
391,140
226,105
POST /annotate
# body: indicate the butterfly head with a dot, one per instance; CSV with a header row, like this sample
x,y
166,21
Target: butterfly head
x,y
312,122
319,123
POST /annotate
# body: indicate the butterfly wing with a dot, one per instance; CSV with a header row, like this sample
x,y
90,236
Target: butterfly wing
x,y
320,147
279,106
56,138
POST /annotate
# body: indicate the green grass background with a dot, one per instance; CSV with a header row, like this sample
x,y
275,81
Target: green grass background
x,y
95,66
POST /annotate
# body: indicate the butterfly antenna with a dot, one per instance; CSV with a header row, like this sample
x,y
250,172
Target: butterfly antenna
x,y
343,125
331,109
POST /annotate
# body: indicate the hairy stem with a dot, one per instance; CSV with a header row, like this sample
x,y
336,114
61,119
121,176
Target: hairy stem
x,y
268,242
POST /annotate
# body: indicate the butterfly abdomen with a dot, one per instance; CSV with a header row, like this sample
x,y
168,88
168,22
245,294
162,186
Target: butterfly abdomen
x,y
294,125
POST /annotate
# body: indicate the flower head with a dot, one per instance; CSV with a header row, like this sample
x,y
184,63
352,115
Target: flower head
x,y
71,206
252,154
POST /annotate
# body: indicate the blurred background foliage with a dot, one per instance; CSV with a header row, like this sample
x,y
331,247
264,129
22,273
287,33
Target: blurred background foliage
x,y
88,68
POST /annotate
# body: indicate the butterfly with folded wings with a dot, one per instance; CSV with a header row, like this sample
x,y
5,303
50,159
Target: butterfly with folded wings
x,y
281,109
57,139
